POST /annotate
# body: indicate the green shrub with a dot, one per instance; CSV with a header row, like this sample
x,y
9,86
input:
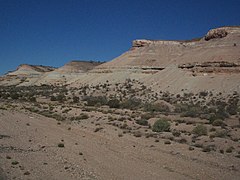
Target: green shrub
x,y
161,125
200,130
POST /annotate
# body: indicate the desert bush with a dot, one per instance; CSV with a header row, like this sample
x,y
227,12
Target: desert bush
x,y
167,142
14,96
232,109
176,133
110,118
82,116
15,162
203,93
113,103
206,148
132,103
221,134
161,125
179,108
218,122
142,122
75,99
147,116
137,134
95,100
61,145
53,98
32,99
180,121
230,149
182,141
156,107
60,98
218,115
200,130
192,111
98,129
190,148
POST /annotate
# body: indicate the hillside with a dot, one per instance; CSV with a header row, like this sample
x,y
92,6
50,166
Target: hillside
x,y
211,63
208,63
162,110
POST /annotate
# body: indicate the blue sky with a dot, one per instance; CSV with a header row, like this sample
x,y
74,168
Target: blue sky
x,y
53,32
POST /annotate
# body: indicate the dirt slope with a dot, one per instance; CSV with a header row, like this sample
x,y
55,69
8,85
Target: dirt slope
x,y
31,140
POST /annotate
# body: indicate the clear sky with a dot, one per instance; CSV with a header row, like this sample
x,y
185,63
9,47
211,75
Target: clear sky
x,y
53,32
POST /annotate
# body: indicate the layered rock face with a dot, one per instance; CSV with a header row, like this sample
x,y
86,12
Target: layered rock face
x,y
216,33
208,63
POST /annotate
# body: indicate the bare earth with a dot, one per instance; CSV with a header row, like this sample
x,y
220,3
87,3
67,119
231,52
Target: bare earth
x,y
29,150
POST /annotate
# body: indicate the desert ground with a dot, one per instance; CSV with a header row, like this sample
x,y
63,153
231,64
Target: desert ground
x,y
29,149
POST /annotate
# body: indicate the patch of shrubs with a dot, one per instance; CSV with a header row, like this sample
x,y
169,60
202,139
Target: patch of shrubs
x,y
132,103
156,107
113,103
95,100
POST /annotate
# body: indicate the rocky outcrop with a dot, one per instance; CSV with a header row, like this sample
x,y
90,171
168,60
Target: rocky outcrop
x,y
78,66
144,43
209,64
221,32
141,43
216,33
212,67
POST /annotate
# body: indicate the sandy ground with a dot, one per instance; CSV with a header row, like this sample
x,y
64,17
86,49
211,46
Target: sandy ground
x,y
29,150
